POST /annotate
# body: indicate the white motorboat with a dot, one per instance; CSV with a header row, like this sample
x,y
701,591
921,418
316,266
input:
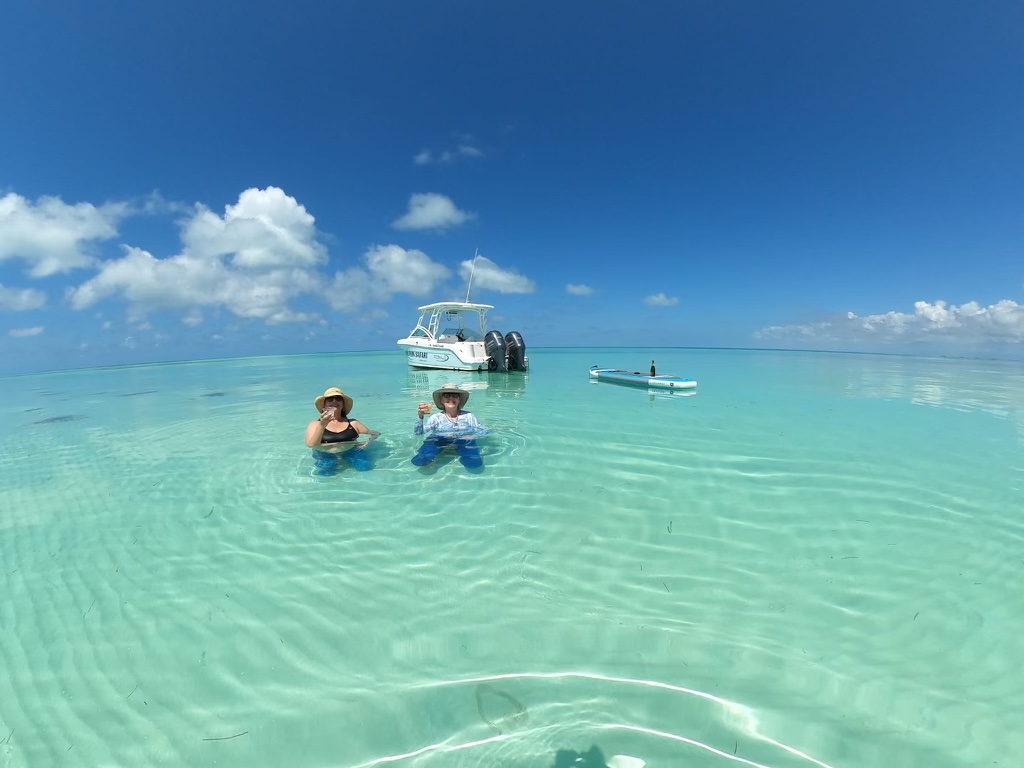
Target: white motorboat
x,y
451,335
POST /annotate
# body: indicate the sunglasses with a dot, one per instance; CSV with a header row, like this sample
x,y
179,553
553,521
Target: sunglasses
x,y
334,398
449,396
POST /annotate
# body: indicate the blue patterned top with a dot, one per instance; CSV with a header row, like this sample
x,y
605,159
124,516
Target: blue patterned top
x,y
439,425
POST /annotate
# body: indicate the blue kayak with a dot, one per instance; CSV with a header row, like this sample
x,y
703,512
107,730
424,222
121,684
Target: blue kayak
x,y
641,379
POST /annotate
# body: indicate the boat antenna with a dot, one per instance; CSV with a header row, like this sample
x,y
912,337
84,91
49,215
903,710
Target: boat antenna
x,y
476,255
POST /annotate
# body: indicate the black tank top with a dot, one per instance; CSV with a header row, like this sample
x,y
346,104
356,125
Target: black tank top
x,y
346,435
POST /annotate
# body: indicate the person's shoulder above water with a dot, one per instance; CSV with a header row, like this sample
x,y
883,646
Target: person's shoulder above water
x,y
334,424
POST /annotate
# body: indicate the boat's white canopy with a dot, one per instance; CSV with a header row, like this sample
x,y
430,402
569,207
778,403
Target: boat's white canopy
x,y
446,321
454,306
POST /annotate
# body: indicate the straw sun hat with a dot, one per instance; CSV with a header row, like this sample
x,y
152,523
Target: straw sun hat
x,y
454,389
333,392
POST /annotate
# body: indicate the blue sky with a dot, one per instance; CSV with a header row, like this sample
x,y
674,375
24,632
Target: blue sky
x,y
189,180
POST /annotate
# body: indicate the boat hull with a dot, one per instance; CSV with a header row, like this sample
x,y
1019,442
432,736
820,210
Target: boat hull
x,y
634,379
464,356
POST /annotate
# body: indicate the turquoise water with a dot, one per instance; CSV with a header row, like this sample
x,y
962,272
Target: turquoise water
x,y
814,561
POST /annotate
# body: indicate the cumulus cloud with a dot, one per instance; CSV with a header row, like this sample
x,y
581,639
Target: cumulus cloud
x,y
579,290
20,299
661,300
396,270
428,210
388,269
184,281
1002,322
489,275
252,261
18,332
52,236
267,229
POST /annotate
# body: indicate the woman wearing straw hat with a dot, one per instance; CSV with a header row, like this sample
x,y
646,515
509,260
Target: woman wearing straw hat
x,y
451,427
333,434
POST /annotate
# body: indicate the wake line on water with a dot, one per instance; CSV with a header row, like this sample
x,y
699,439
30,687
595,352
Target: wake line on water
x,y
743,713
442,747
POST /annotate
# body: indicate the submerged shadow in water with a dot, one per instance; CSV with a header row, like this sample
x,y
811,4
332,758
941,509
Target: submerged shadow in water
x,y
58,419
570,758
594,758
501,711
326,464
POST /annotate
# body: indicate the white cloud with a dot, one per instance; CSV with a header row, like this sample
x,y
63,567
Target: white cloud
x,y
20,299
661,300
1002,322
252,261
148,283
579,290
467,149
53,236
265,230
353,288
428,210
388,269
396,270
18,332
489,275
184,281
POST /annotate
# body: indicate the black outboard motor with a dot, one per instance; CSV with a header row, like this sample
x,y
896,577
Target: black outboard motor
x,y
516,351
495,346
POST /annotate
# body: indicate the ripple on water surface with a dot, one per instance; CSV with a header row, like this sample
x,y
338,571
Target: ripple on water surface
x,y
733,578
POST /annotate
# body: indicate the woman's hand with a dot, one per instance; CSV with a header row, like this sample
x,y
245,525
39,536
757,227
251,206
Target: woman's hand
x,y
327,416
374,434
422,409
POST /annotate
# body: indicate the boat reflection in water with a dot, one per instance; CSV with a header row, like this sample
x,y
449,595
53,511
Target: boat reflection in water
x,y
421,383
493,398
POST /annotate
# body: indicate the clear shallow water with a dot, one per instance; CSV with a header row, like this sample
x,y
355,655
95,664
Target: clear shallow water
x,y
814,561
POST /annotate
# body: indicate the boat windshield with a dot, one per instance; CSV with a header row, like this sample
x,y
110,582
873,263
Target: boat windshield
x,y
457,333
451,325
